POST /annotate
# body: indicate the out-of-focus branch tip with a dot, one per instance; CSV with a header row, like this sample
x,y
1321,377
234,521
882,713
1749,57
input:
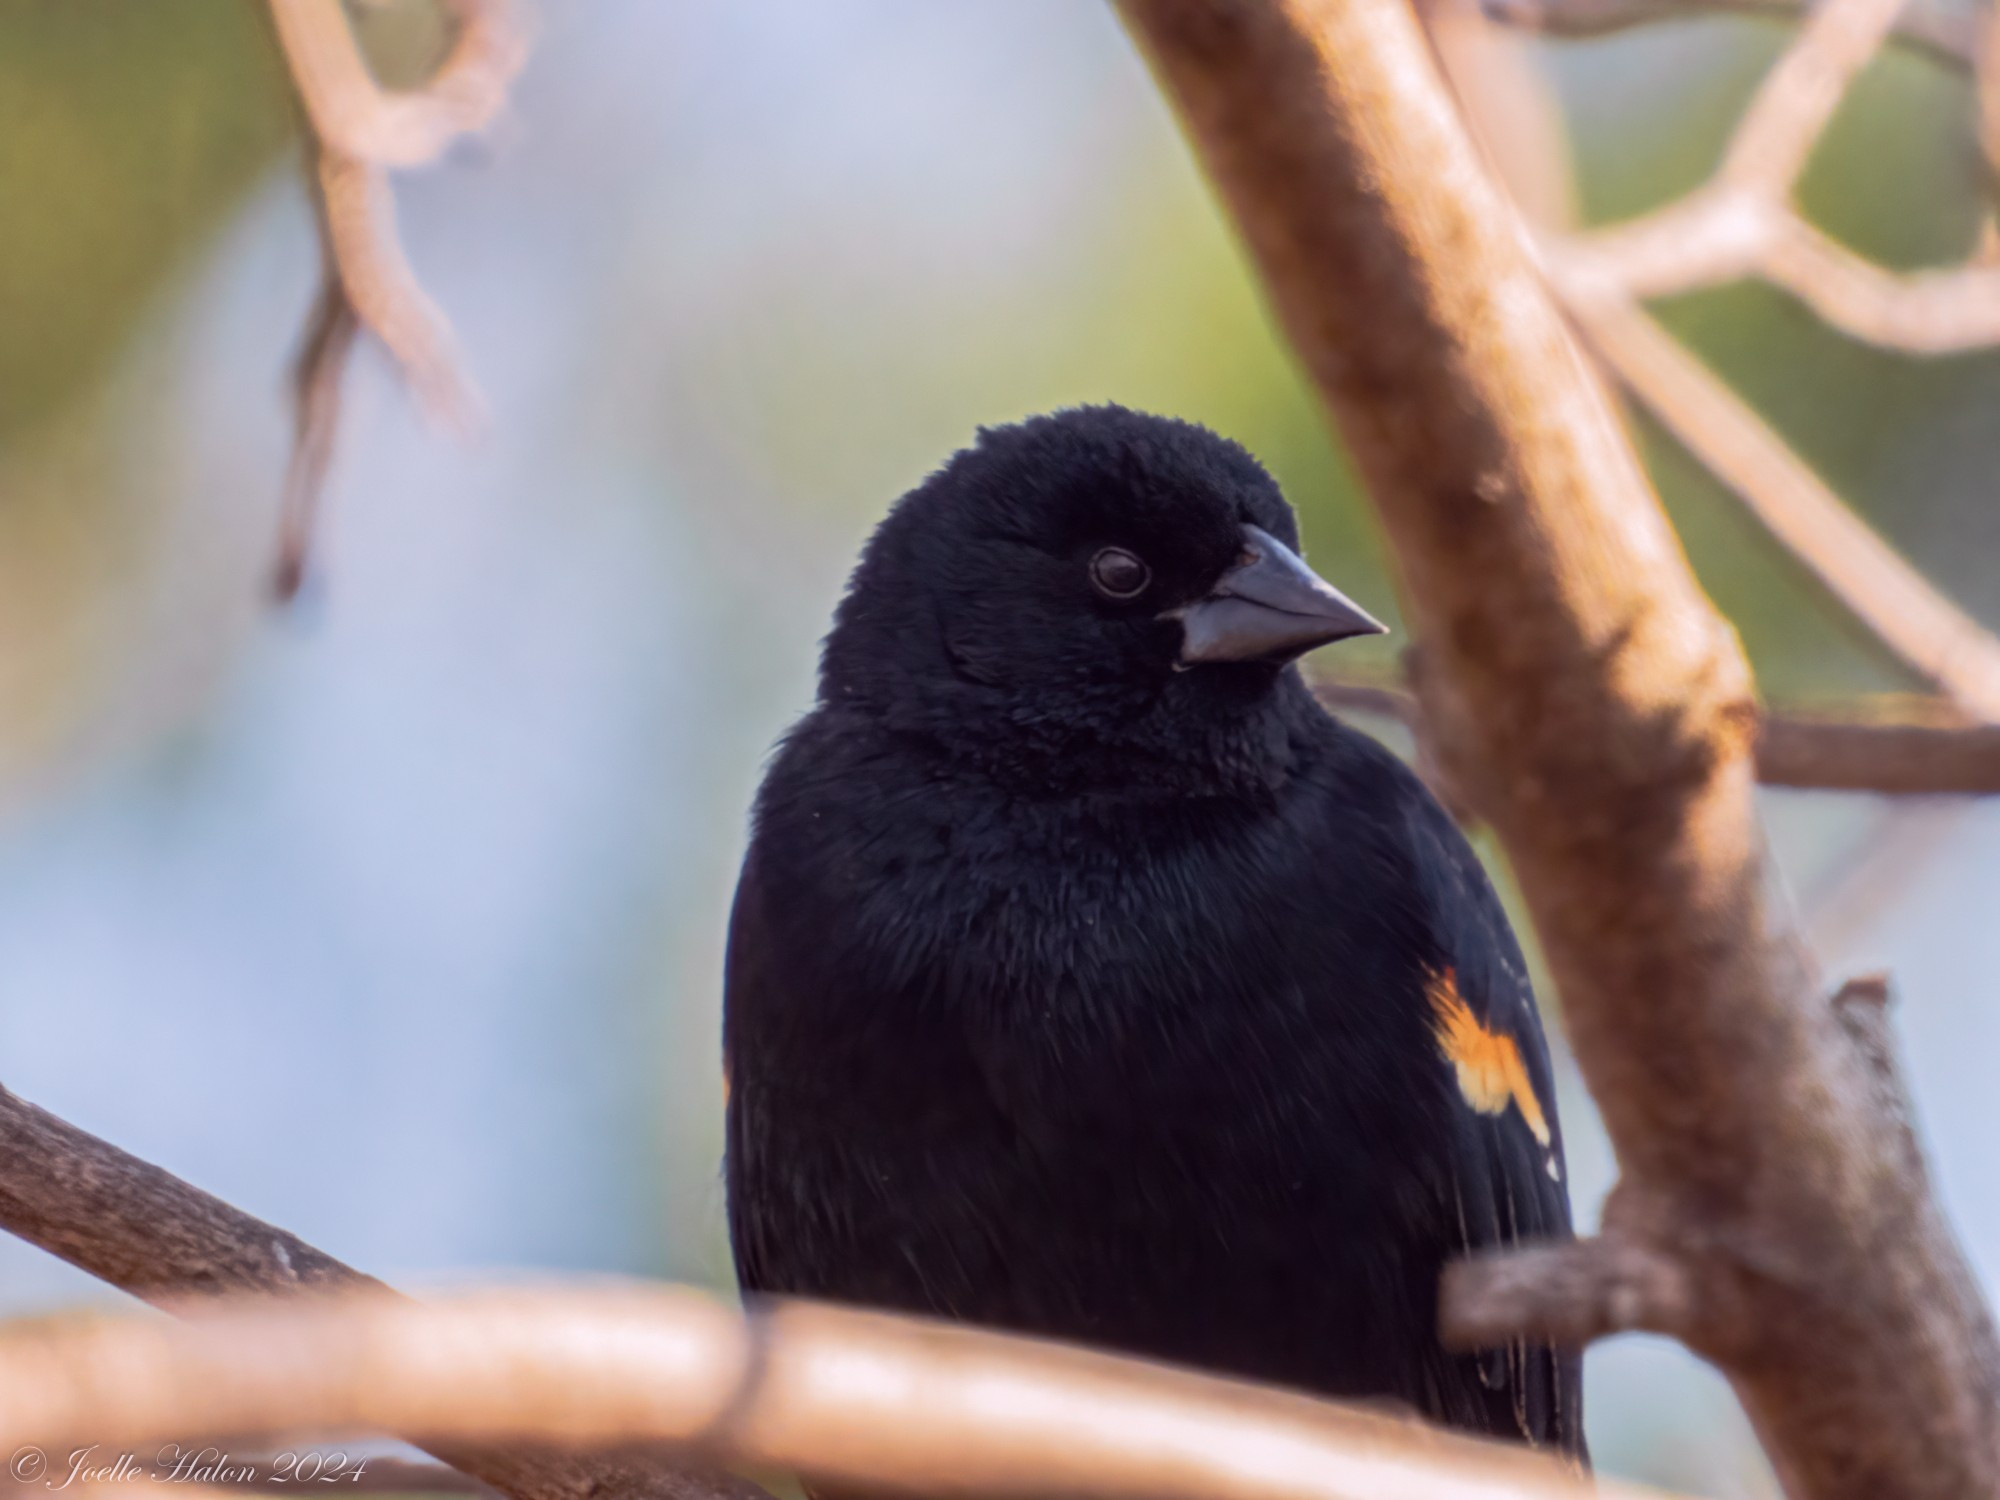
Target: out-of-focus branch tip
x,y
359,131
354,115
316,376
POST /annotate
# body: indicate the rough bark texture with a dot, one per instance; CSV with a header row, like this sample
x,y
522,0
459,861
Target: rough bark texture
x,y
138,1227
1600,715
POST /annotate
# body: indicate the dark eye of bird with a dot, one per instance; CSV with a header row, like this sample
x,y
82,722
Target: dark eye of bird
x,y
1118,574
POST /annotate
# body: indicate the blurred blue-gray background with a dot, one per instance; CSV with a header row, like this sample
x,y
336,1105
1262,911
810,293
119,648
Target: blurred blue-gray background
x,y
396,917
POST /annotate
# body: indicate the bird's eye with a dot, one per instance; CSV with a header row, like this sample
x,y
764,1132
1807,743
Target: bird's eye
x,y
1118,574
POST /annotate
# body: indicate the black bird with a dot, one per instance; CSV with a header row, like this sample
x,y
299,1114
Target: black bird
x,y
1087,979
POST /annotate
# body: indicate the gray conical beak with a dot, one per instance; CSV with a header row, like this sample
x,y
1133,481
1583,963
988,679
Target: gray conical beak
x,y
1269,607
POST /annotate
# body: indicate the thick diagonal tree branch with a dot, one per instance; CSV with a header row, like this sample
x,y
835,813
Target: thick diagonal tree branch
x,y
128,1222
1601,717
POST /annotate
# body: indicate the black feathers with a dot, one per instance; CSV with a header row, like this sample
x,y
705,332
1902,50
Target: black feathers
x,y
1080,990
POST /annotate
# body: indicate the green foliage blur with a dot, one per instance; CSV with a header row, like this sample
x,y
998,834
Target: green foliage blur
x,y
1899,179
127,134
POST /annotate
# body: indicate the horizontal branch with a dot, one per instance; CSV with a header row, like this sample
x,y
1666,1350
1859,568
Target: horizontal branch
x,y
1897,757
846,1398
1571,1294
1947,33
128,1222
1952,311
1896,746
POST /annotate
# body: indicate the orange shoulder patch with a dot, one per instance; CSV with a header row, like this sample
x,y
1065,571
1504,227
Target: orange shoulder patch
x,y
1490,1072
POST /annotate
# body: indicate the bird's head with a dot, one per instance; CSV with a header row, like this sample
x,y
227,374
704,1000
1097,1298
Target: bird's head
x,y
1093,579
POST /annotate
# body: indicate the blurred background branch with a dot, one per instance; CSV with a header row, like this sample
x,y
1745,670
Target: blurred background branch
x,y
1892,745
1943,30
1934,638
1742,222
359,131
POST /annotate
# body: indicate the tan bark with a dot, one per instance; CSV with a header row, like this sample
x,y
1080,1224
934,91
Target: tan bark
x,y
866,1402
138,1227
1600,715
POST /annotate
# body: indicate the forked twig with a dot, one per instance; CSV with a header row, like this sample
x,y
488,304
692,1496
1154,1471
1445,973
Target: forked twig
x,y
352,114
358,131
1743,223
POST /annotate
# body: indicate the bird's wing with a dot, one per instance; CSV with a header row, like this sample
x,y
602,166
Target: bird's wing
x,y
1509,1186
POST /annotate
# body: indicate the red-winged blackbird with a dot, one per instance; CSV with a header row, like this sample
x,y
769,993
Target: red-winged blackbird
x,y
1087,979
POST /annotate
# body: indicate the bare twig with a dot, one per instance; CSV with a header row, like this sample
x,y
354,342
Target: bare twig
x,y
1573,1294
358,131
1944,31
381,289
858,1400
128,1222
316,376
1933,637
1796,101
1600,716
